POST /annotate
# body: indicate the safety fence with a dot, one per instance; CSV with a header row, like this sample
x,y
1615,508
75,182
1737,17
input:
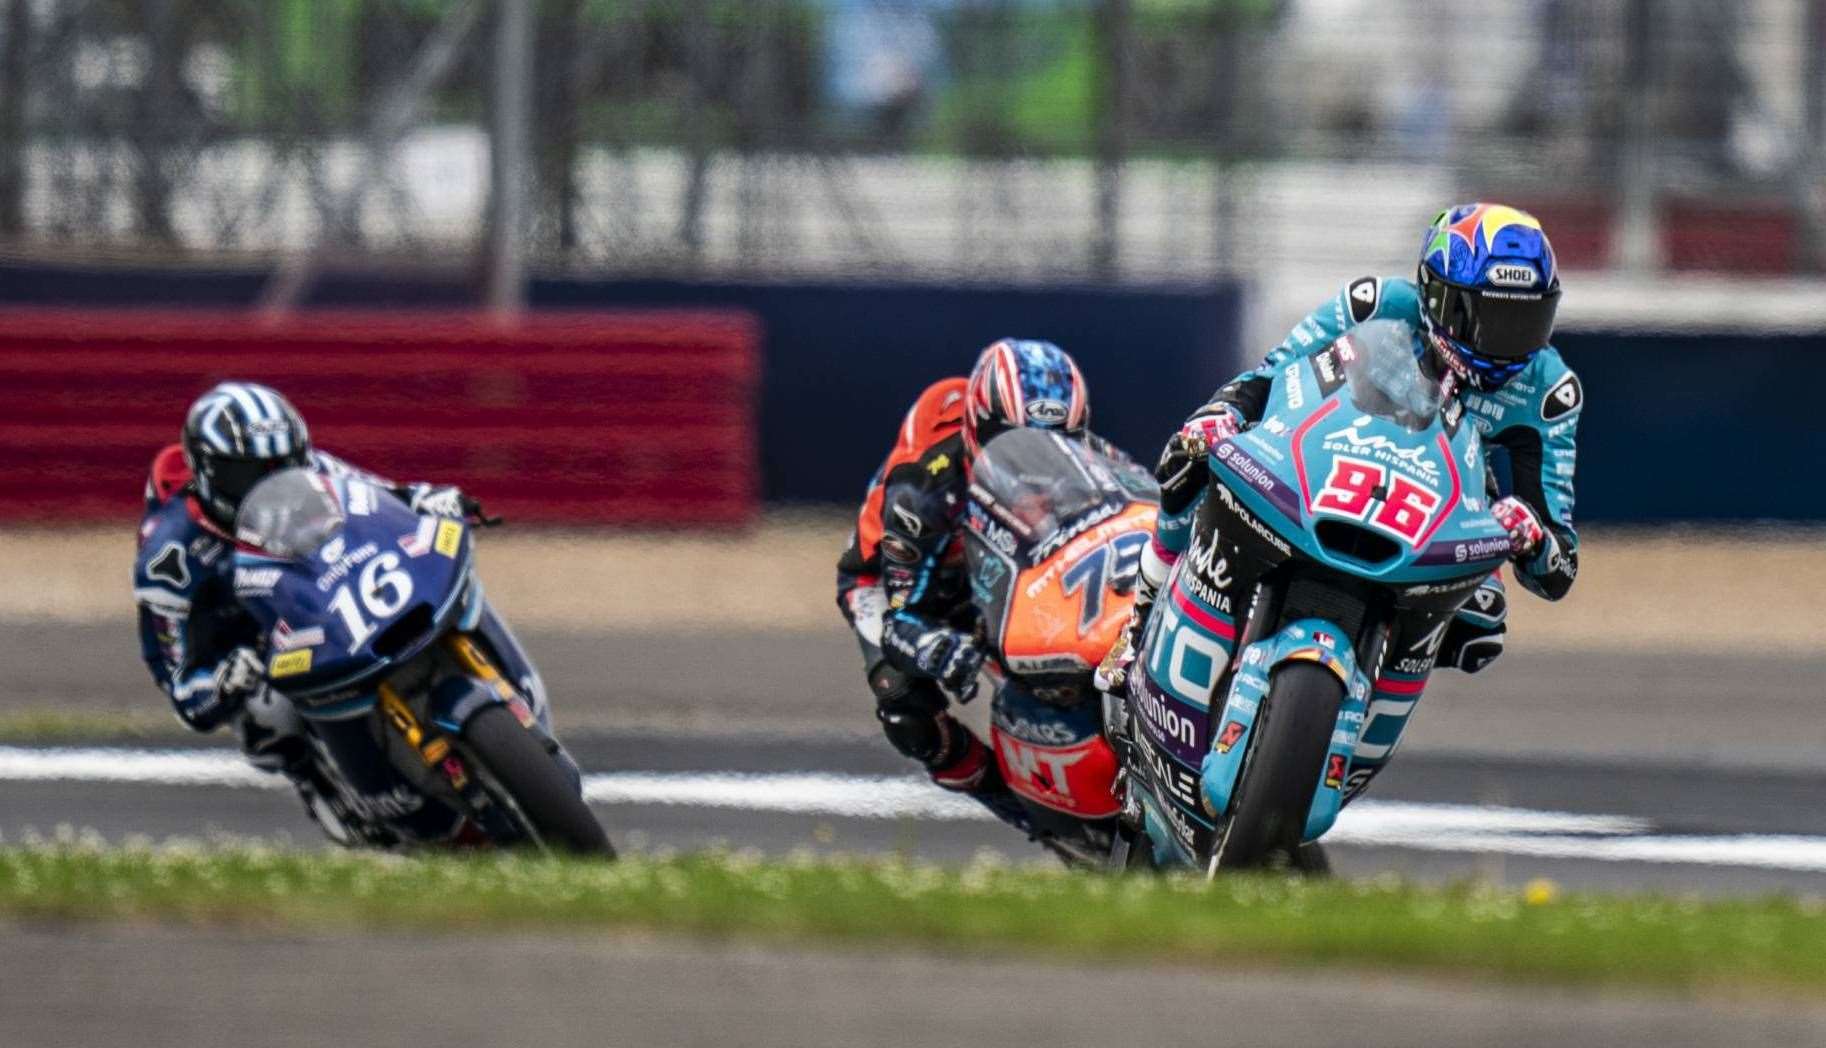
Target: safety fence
x,y
636,418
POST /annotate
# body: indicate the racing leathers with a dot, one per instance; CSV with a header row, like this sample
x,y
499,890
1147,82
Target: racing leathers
x,y
1527,426
202,648
901,584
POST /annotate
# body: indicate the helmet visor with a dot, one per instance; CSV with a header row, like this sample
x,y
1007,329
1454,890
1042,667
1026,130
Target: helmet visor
x,y
230,479
1500,324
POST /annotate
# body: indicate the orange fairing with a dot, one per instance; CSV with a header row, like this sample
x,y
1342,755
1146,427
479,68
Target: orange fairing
x,y
1061,619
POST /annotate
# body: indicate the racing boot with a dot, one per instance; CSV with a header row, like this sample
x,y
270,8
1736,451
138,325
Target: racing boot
x,y
975,774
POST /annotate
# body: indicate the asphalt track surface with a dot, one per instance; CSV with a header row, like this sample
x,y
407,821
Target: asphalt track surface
x,y
1717,754
1696,747
80,988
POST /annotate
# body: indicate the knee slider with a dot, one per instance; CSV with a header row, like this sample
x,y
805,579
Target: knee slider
x,y
910,709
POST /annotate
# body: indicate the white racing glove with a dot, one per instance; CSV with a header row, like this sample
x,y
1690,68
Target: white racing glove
x,y
434,500
238,676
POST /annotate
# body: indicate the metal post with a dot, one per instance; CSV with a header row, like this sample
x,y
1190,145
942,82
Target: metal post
x,y
15,47
1637,249
1110,25
510,148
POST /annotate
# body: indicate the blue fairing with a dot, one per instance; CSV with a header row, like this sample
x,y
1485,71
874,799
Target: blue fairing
x,y
378,590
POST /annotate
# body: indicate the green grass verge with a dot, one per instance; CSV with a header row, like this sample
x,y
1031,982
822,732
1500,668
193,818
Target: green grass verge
x,y
1769,945
52,727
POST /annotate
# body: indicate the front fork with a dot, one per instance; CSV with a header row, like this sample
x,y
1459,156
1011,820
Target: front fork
x,y
431,742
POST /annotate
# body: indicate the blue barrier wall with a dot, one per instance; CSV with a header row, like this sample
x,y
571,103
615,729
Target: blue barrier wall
x,y
1698,427
1676,427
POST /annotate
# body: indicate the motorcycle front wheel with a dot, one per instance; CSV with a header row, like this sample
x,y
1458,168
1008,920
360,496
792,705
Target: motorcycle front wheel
x,y
544,797
1281,771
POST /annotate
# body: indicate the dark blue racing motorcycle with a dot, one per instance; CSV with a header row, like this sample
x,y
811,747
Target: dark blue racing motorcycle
x,y
427,720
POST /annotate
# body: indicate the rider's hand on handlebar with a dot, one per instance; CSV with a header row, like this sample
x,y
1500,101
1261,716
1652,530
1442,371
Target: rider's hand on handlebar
x,y
238,676
434,500
1519,520
1203,432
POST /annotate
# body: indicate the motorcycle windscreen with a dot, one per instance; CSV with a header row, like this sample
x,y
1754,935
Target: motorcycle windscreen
x,y
346,578
1056,534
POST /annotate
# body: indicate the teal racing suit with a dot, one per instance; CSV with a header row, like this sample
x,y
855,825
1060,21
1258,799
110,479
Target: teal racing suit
x,y
1528,429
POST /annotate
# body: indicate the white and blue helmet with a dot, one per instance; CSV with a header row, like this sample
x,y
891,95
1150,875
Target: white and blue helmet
x,y
234,435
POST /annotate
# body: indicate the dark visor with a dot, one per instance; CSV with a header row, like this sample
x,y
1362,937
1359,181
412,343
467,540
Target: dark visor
x,y
232,479
1502,324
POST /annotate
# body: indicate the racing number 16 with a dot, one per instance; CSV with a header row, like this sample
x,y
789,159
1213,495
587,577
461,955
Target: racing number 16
x,y
1350,491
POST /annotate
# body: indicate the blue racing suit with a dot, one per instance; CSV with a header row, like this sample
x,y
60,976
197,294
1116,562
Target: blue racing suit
x,y
183,580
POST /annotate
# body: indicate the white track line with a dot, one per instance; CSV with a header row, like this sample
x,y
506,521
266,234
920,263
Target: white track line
x,y
1424,827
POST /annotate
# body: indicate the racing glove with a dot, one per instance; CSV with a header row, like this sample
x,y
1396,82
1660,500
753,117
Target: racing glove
x,y
950,657
1524,527
1181,471
238,676
436,500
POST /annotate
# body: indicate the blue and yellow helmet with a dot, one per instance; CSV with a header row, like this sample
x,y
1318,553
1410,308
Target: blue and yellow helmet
x,y
1489,288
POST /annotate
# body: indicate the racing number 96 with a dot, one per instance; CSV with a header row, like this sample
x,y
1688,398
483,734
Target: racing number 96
x,y
1404,510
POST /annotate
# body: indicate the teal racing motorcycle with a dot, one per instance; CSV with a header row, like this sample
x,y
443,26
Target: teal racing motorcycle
x,y
1354,512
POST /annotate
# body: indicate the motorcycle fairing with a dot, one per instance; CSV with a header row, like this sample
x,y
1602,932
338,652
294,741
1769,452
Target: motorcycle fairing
x,y
1304,640
1053,756
324,636
1419,491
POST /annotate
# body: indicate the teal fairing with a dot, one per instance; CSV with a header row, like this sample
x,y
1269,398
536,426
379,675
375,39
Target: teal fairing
x,y
1531,422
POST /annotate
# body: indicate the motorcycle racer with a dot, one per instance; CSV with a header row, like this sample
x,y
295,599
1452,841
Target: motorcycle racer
x,y
901,581
203,651
1484,298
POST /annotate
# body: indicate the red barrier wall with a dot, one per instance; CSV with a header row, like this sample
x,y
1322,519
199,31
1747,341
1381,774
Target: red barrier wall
x,y
620,418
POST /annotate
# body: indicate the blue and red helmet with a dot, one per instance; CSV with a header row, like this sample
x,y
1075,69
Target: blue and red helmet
x,y
1019,383
1488,290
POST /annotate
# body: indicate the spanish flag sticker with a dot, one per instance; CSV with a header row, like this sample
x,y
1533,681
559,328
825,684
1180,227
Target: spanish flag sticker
x,y
449,536
290,663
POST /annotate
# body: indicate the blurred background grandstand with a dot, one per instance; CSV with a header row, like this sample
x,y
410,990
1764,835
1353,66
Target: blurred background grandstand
x,y
1150,141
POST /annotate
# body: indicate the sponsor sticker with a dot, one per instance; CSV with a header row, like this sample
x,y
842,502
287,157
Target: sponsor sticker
x,y
1566,397
1334,771
418,543
449,537
1363,293
332,550
1227,738
290,663
285,638
1510,275
169,566
1047,412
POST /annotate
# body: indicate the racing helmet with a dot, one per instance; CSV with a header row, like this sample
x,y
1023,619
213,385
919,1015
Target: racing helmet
x,y
1488,290
235,435
1021,382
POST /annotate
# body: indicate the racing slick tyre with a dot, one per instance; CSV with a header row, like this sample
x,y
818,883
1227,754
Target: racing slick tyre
x,y
1281,770
544,797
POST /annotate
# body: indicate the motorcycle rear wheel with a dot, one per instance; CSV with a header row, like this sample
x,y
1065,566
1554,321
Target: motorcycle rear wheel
x,y
1281,771
542,794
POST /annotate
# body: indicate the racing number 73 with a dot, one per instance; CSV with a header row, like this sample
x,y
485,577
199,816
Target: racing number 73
x,y
1403,509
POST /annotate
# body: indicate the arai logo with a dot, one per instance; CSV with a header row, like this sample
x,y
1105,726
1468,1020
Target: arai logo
x,y
1047,412
1513,276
